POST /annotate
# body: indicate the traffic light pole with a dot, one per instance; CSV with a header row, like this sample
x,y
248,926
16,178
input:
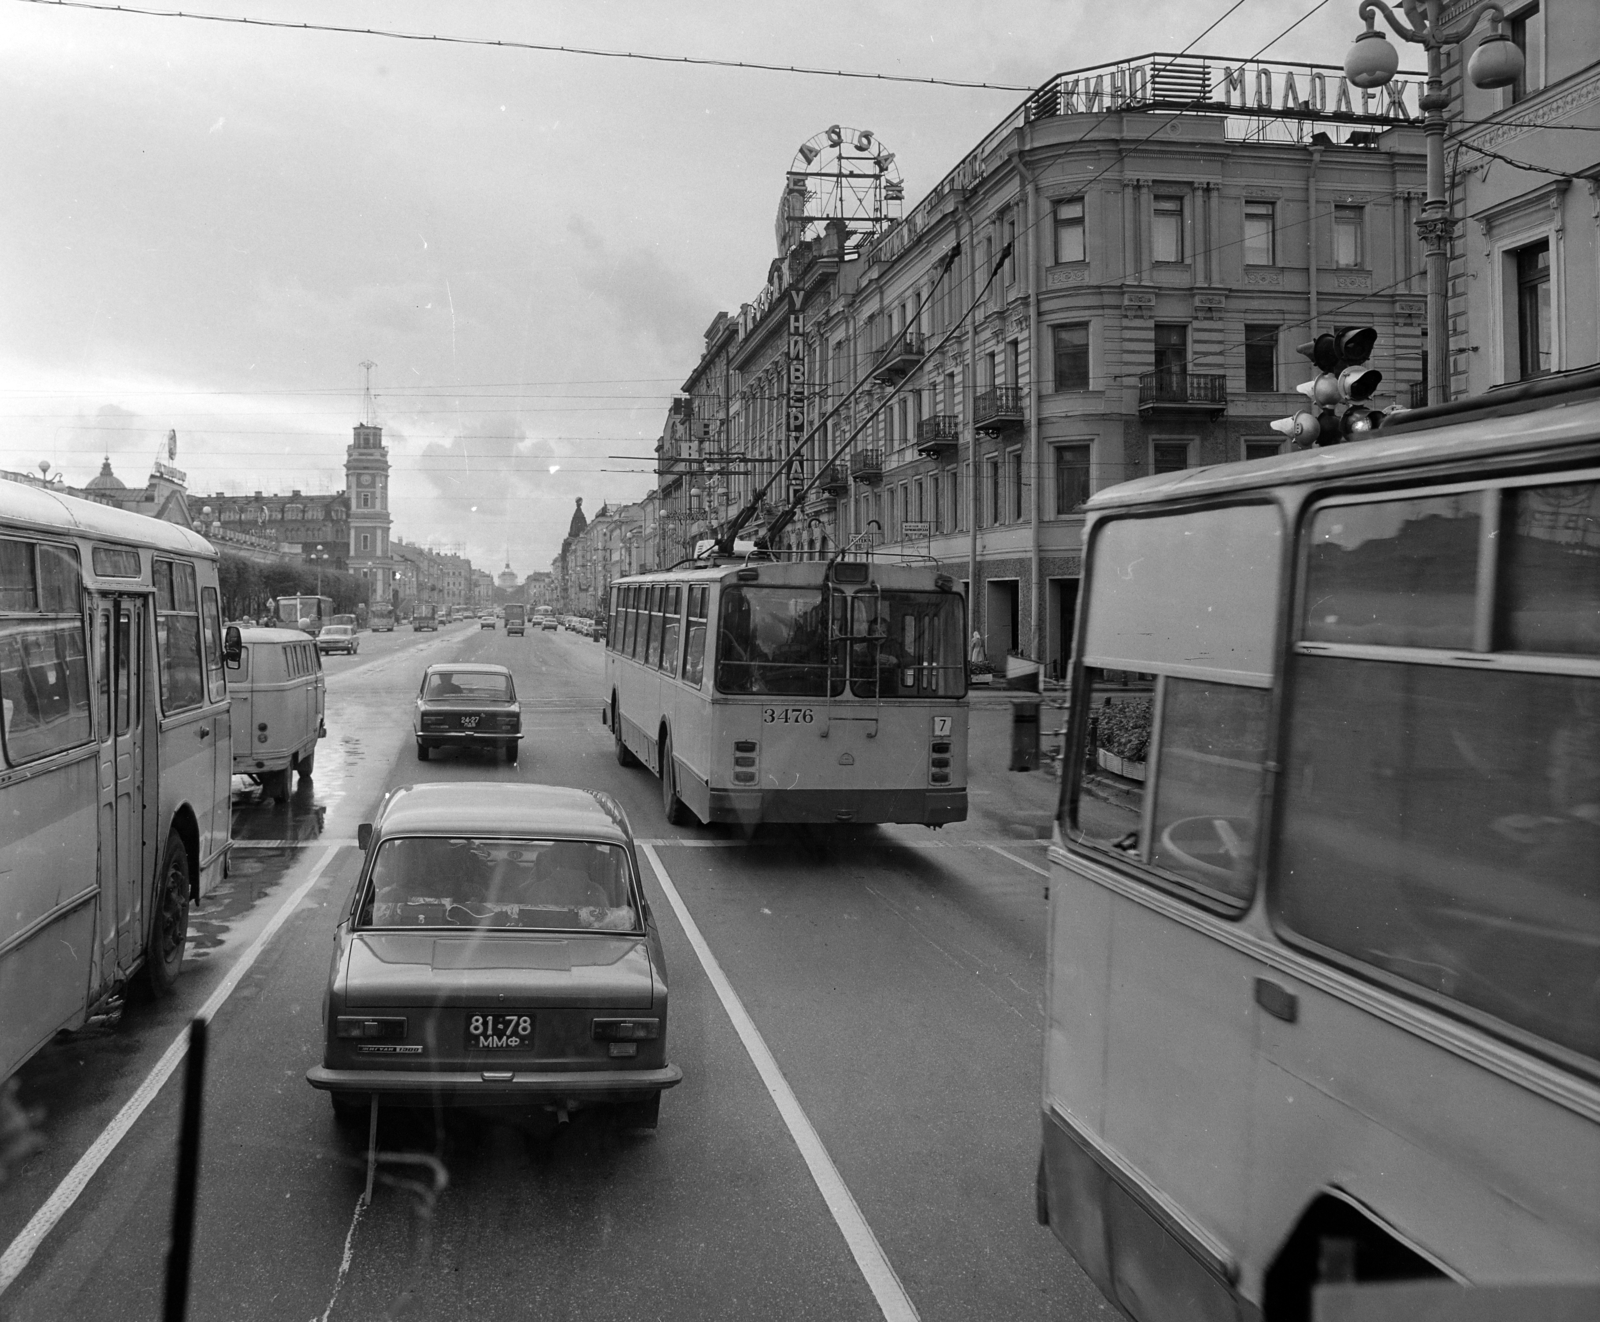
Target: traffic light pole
x,y
1435,227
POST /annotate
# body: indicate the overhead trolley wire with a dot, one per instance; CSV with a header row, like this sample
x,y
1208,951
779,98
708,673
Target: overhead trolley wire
x,y
544,47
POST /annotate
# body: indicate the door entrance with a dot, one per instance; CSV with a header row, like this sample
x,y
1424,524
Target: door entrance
x,y
119,681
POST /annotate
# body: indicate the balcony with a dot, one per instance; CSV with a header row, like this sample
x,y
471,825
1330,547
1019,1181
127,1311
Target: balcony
x,y
938,435
900,358
833,479
1169,391
998,409
867,466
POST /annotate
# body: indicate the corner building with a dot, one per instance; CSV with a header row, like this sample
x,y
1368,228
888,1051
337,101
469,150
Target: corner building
x,y
1177,228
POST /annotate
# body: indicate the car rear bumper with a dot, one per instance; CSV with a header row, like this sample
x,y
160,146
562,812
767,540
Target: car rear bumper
x,y
476,1086
467,739
931,807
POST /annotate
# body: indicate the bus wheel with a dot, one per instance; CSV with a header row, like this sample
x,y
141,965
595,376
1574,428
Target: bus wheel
x,y
169,925
624,757
671,805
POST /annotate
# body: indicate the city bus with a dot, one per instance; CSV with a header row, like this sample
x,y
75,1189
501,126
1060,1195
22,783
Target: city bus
x,y
1324,957
793,691
308,613
117,755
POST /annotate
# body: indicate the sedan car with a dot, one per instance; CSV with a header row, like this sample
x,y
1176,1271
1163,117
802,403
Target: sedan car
x,y
338,638
498,949
549,623
467,705
486,621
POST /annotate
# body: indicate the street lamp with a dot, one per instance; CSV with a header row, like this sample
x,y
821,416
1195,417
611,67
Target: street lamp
x,y
317,557
1371,62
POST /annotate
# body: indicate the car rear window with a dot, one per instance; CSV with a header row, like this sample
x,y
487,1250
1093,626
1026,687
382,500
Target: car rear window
x,y
468,684
467,881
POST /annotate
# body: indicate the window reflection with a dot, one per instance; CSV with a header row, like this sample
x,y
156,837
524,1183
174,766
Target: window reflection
x,y
1550,570
1399,573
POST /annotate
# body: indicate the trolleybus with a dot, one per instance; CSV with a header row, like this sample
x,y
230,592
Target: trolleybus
x,y
117,754
307,613
1324,979
797,691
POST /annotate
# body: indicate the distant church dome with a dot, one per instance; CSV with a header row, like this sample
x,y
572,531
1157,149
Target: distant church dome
x,y
106,480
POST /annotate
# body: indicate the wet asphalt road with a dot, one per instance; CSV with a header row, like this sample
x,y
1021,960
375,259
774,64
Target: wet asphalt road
x,y
896,975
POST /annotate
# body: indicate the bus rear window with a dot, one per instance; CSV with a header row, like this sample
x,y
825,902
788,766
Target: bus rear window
x,y
774,640
906,645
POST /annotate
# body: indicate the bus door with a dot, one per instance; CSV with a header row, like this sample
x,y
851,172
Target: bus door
x,y
119,633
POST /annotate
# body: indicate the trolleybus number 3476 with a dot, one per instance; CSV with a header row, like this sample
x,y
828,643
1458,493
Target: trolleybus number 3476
x,y
787,715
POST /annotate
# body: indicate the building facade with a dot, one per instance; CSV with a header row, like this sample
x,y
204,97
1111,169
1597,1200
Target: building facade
x,y
1111,283
1524,167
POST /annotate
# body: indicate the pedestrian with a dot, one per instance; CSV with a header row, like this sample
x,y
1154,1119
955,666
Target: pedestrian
x,y
976,653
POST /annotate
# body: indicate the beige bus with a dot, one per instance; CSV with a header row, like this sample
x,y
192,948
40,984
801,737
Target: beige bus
x,y
1324,956
114,755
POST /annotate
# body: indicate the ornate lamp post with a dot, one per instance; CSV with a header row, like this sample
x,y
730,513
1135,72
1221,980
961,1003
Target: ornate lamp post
x,y
1371,62
318,557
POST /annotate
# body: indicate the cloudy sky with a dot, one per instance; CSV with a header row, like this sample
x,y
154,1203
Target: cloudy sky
x,y
208,226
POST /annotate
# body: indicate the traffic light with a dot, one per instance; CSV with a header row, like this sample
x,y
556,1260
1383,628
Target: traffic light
x,y
1342,379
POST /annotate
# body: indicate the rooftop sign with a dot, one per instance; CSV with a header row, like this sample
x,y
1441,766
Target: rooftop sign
x,y
1269,88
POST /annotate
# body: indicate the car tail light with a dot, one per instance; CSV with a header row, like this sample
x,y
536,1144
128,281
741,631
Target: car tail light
x,y
433,722
626,1030
359,1026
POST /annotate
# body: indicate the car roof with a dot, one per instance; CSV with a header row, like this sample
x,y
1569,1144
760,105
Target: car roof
x,y
476,807
273,636
467,668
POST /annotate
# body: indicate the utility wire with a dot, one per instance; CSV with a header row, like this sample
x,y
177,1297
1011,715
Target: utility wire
x,y
1512,161
509,44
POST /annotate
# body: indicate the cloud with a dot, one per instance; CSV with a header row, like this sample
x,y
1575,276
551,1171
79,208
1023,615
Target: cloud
x,y
646,295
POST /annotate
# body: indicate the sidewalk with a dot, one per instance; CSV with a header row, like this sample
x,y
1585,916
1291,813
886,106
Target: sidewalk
x,y
1015,802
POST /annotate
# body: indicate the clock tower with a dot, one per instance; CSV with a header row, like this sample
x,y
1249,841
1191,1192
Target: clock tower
x,y
366,470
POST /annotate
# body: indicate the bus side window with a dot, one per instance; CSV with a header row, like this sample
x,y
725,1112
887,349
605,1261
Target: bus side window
x,y
671,626
634,594
44,687
215,681
178,636
694,656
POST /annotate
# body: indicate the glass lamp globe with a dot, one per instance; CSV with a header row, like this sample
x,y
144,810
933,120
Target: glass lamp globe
x,y
1497,62
1371,61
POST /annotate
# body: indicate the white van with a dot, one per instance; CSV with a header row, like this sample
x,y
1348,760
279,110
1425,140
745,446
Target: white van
x,y
278,695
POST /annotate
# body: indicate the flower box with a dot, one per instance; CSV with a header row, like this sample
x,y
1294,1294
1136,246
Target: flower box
x,y
1118,766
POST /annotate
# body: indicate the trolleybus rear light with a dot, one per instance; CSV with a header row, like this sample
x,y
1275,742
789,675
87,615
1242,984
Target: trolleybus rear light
x,y
941,762
744,777
943,746
744,745
939,777
744,761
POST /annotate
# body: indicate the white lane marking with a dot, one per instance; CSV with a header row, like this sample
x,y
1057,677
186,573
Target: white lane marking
x,y
882,1279
26,1244
1022,862
346,1260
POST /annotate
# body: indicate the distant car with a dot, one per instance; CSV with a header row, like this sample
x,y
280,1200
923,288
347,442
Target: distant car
x,y
548,623
344,619
498,949
486,621
337,638
467,705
